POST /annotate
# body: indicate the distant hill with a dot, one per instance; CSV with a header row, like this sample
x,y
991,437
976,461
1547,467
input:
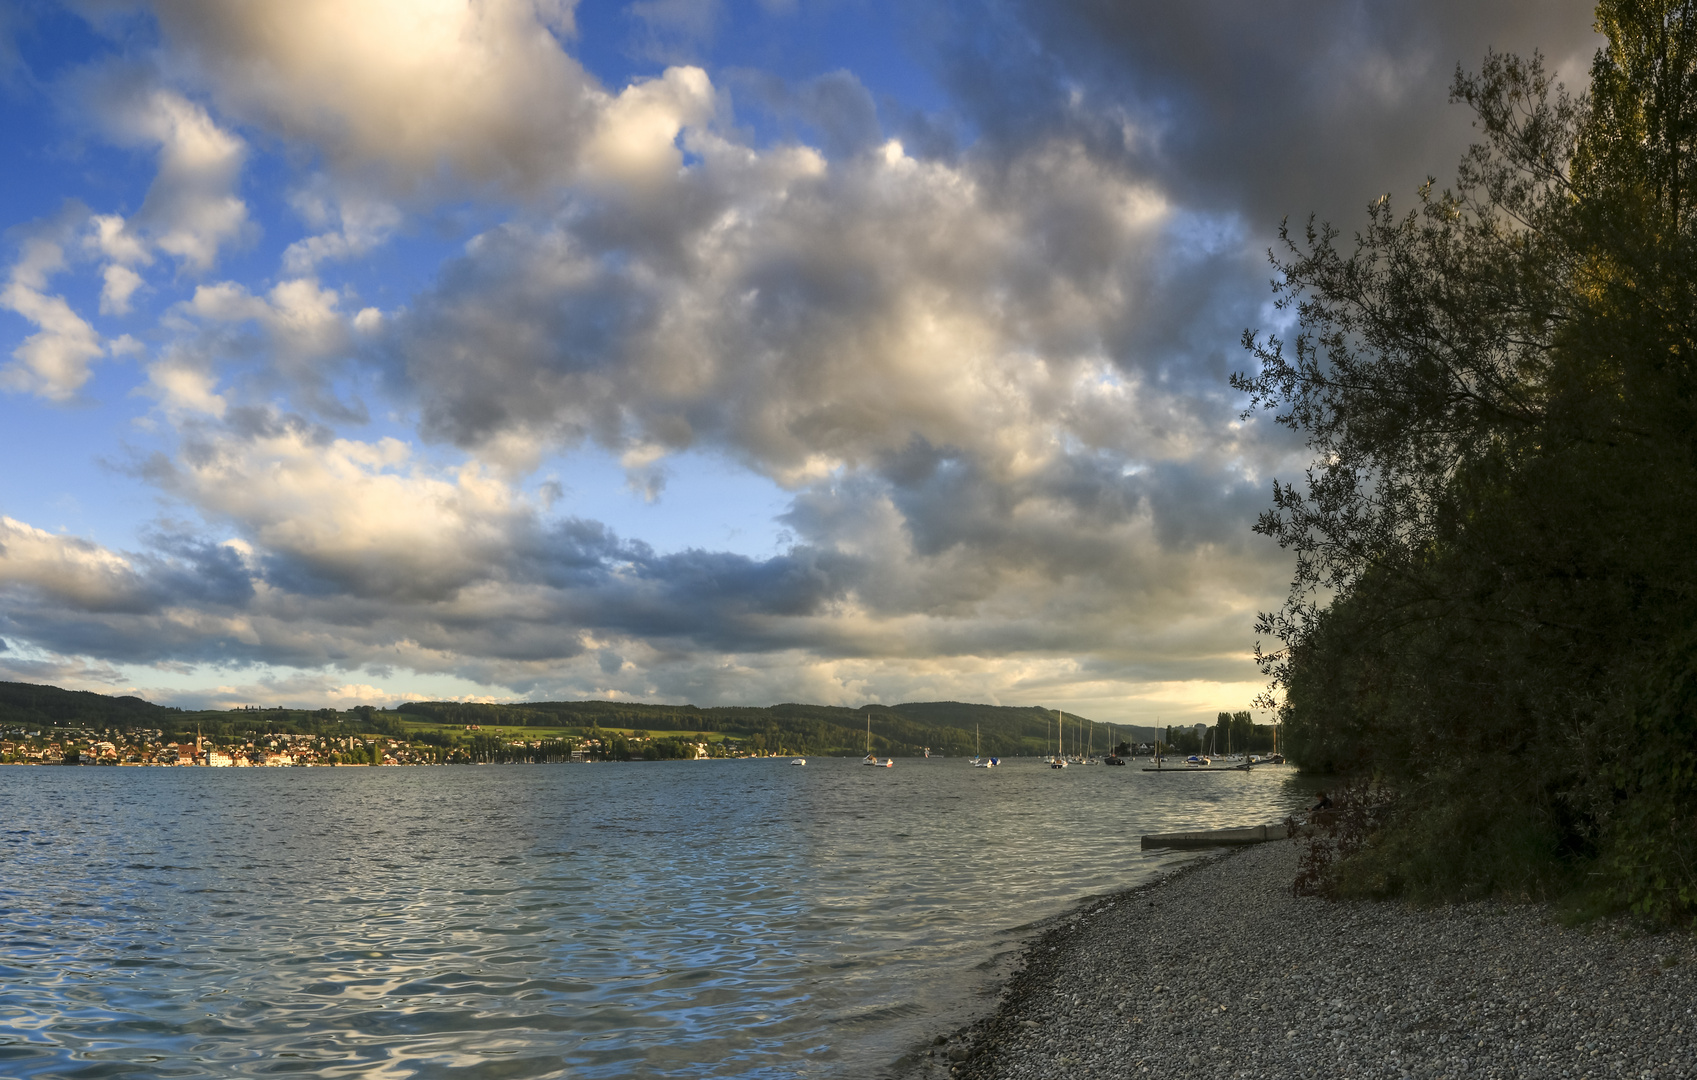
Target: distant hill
x,y
944,726
947,727
30,704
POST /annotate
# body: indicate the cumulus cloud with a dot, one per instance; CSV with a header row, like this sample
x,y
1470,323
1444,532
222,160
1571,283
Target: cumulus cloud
x,y
347,516
411,93
983,351
54,361
111,237
192,209
952,364
985,382
634,140
351,555
805,317
119,284
361,224
298,330
185,386
67,570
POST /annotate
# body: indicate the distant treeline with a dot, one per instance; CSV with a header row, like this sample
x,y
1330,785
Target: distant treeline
x,y
30,705
944,726
1230,733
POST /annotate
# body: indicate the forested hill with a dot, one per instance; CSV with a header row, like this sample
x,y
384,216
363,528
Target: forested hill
x,y
947,727
944,726
49,706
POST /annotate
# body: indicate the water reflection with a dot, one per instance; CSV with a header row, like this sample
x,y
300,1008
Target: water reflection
x,y
682,919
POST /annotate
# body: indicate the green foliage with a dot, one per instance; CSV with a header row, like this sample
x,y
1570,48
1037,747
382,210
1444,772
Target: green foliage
x,y
1238,733
944,726
1182,741
29,705
1495,558
1651,837
668,750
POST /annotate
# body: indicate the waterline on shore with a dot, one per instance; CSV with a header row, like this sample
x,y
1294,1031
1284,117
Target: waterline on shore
x,y
1220,970
729,918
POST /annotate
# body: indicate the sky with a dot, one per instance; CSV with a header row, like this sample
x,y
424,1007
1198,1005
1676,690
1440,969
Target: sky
x,y
675,350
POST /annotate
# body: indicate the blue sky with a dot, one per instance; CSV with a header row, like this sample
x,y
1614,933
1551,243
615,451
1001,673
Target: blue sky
x,y
672,350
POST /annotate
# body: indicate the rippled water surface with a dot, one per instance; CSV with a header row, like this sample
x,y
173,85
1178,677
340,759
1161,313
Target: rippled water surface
x,y
697,919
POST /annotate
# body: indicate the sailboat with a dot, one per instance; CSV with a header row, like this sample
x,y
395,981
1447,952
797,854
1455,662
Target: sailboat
x,y
1060,761
871,758
1197,761
977,760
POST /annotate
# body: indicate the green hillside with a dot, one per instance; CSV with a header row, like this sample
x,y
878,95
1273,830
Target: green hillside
x,y
946,727
27,704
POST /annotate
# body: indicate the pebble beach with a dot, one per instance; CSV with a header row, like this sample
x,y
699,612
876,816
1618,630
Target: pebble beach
x,y
1219,971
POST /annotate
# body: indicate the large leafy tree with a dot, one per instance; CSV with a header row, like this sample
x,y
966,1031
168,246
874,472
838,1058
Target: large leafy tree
x,y
1495,598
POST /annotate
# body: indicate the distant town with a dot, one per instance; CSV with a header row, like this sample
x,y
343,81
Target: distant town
x,y
48,725
286,750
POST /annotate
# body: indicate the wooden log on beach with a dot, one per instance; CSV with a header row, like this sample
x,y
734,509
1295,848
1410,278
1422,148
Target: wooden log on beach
x,y
1253,834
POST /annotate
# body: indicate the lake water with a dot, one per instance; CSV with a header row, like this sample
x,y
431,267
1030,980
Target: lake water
x,y
690,919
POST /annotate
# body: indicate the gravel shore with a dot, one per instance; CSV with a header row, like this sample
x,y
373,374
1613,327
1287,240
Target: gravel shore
x,y
1218,971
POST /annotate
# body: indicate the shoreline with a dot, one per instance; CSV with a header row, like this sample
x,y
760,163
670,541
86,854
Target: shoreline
x,y
1216,970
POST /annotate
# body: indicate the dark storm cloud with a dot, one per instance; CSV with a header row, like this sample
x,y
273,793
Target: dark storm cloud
x,y
1267,109
525,331
534,588
184,568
